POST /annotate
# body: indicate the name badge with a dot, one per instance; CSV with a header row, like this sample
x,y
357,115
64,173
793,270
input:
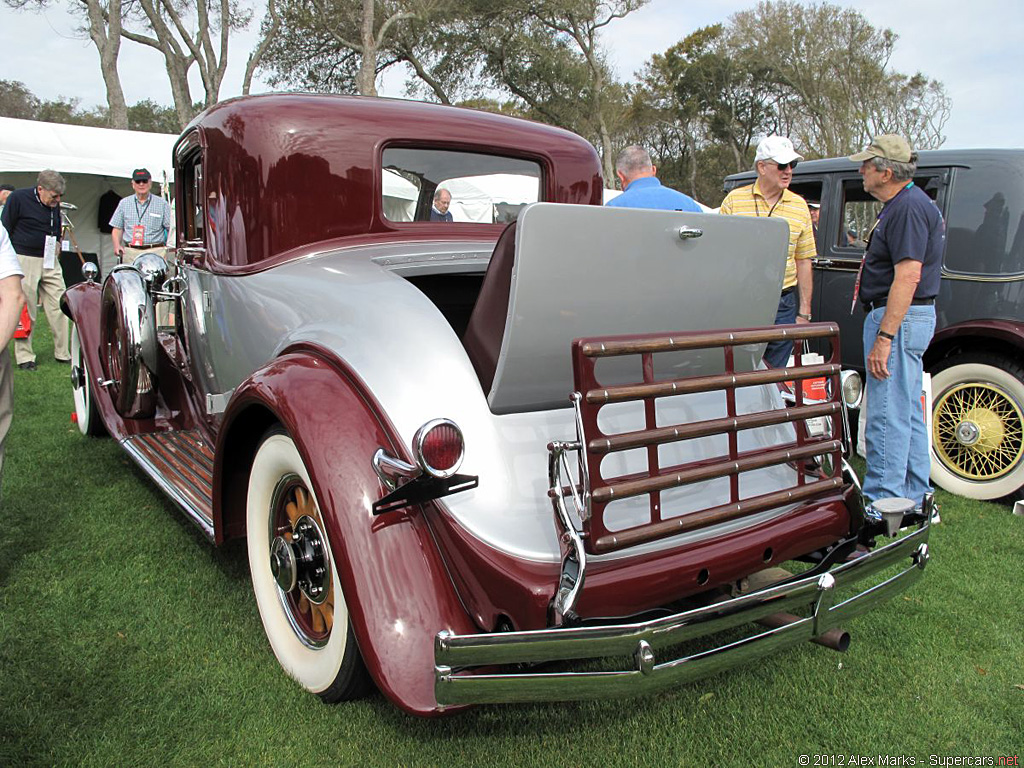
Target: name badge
x,y
138,235
50,246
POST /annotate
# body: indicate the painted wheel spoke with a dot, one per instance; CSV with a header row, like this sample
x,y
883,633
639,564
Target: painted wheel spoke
x,y
992,422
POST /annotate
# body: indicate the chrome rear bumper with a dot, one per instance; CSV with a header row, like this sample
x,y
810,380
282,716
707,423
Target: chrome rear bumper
x,y
456,656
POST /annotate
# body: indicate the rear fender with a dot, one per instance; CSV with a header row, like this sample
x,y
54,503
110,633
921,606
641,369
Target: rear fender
x,y
396,586
1004,337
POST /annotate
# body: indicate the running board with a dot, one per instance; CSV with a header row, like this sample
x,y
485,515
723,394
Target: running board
x,y
181,463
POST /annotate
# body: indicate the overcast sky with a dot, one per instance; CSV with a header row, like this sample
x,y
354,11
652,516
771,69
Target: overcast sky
x,y
975,49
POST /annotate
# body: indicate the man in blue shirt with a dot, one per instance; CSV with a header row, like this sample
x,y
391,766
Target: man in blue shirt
x,y
897,287
641,188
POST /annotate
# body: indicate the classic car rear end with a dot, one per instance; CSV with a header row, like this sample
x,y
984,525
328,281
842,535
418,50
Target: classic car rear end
x,y
459,450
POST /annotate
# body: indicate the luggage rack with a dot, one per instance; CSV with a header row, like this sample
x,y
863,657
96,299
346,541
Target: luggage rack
x,y
589,491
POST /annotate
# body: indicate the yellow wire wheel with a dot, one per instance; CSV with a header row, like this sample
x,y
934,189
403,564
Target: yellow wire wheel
x,y
978,429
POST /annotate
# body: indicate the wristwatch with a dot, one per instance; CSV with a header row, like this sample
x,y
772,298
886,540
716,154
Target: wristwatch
x,y
805,317
885,335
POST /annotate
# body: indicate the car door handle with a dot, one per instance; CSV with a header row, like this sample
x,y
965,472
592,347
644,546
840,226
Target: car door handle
x,y
823,262
689,233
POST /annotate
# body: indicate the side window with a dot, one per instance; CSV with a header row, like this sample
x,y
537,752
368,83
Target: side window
x,y
193,218
811,191
427,184
985,226
860,212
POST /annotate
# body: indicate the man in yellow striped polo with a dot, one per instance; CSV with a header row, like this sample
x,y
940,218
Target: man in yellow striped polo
x,y
769,196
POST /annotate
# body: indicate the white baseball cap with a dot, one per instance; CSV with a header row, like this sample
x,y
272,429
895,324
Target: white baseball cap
x,y
777,148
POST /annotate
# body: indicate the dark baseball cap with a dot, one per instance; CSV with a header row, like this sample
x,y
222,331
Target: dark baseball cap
x,y
141,174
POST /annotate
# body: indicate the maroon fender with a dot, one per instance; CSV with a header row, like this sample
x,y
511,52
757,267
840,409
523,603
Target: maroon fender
x,y
396,586
970,332
81,303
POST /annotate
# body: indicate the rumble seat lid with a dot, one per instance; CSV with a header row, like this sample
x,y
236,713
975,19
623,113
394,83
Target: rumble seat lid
x,y
591,271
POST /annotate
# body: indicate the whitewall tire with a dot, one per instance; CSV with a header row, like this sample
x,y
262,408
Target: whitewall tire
x,y
86,413
300,598
978,426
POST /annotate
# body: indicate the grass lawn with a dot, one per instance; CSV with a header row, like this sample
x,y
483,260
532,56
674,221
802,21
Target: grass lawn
x,y
126,639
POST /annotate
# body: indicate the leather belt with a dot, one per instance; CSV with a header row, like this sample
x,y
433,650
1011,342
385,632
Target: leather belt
x,y
147,247
877,303
787,291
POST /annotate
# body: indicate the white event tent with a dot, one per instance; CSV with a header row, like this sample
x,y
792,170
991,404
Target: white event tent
x,y
93,161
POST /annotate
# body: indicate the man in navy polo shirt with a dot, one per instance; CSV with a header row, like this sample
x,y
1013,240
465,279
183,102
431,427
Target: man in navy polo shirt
x,y
641,188
32,218
898,285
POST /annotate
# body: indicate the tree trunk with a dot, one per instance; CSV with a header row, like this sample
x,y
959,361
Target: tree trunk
x,y
366,80
256,56
177,74
108,45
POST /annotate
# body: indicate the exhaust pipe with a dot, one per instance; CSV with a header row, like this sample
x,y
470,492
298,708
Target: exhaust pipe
x,y
837,639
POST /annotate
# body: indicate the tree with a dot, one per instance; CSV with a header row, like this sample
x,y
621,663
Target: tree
x,y
166,28
580,21
547,54
103,25
831,69
343,47
151,117
18,101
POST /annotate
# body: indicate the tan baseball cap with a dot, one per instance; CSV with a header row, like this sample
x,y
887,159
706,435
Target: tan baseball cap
x,y
889,146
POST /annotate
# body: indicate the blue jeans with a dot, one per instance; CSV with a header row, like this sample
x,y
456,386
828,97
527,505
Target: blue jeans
x,y
898,461
777,353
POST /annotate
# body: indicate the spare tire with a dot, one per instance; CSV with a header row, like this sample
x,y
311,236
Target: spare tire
x,y
128,342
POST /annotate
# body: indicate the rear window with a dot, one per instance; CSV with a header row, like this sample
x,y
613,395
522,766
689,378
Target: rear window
x,y
985,226
480,188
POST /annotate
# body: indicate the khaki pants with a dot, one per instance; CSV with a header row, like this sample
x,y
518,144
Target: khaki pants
x,y
47,285
6,404
131,254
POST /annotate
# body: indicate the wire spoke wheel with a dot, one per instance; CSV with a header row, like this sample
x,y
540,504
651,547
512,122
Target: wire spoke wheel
x,y
978,427
978,432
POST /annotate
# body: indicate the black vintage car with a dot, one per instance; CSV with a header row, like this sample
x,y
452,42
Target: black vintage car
x,y
977,356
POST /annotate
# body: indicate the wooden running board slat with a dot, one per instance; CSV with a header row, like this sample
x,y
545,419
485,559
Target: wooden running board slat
x,y
181,463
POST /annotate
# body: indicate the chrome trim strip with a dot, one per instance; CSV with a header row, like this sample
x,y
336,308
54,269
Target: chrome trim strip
x,y
192,513
981,278
642,641
851,265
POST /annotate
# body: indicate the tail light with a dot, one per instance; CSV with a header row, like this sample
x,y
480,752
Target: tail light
x,y
439,447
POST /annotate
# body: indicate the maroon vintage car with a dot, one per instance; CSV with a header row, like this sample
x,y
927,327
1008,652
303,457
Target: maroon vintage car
x,y
473,439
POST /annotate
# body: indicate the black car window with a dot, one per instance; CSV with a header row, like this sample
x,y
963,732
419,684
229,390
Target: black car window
x,y
985,227
860,211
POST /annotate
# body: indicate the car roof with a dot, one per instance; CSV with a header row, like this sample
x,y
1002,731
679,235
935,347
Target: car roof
x,y
926,159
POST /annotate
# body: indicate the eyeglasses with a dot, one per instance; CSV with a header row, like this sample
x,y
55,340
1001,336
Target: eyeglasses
x,y
784,166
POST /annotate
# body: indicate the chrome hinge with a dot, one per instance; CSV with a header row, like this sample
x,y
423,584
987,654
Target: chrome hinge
x,y
207,302
218,403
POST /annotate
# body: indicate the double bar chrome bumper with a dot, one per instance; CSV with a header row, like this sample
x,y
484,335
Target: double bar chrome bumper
x,y
455,656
